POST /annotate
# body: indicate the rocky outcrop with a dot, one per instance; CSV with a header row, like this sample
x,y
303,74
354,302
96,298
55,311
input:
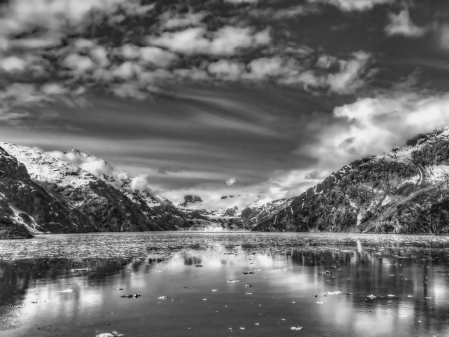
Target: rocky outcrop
x,y
74,200
405,191
26,207
190,199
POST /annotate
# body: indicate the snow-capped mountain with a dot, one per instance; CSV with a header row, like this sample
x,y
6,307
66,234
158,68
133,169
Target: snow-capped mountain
x,y
26,207
224,206
404,191
83,201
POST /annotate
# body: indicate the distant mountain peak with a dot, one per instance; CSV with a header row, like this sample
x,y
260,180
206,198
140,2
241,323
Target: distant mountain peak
x,y
78,153
232,181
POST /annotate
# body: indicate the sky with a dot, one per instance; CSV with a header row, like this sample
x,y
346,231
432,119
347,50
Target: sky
x,y
186,94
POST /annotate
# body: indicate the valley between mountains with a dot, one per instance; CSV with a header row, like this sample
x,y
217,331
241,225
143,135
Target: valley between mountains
x,y
403,191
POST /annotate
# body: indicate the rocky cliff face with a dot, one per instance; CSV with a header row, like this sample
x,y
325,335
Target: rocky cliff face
x,y
405,191
26,207
74,200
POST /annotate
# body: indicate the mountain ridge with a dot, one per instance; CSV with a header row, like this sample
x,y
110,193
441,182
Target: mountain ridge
x,y
103,203
404,191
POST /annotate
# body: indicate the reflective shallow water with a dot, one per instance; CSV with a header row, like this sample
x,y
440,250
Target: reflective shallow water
x,y
407,276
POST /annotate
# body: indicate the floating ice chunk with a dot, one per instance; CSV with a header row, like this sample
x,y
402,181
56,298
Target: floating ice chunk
x,y
79,269
214,289
296,328
333,293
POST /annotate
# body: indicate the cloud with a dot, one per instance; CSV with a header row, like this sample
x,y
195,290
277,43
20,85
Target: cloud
x,y
351,74
141,183
372,126
53,89
266,67
279,14
170,21
53,15
148,55
353,5
242,1
227,70
92,164
15,98
401,24
78,64
130,90
348,79
226,41
12,64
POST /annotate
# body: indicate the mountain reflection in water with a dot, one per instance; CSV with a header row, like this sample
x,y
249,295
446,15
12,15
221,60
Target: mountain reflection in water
x,y
409,287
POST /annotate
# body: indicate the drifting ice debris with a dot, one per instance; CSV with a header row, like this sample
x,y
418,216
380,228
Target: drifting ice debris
x,y
296,327
113,334
248,285
163,298
320,302
371,296
79,269
233,281
214,289
333,293
129,296
66,291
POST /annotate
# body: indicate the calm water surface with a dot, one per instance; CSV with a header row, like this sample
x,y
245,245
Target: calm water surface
x,y
410,285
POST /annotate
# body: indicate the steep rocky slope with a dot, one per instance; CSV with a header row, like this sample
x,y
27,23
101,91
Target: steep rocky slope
x,y
92,203
405,191
26,207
